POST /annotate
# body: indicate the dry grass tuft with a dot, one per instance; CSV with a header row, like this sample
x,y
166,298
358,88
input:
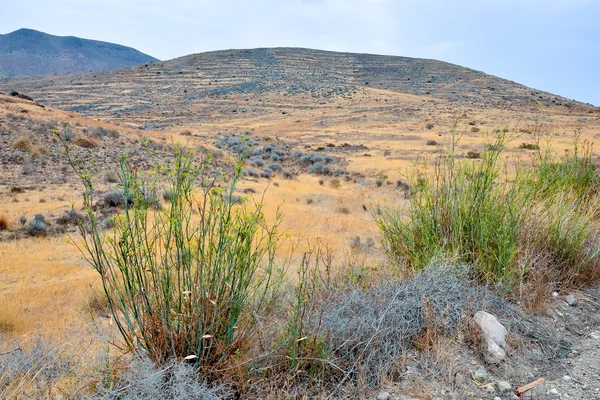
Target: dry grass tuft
x,y
22,143
3,223
86,142
8,320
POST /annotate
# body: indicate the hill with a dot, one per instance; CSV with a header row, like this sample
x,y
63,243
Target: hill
x,y
30,52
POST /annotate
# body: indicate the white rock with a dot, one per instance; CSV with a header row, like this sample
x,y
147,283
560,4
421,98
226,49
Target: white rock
x,y
495,335
553,391
566,378
503,386
384,396
491,327
572,300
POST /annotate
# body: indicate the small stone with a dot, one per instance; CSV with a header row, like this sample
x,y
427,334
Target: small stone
x,y
553,391
497,398
481,375
572,300
384,396
495,336
567,378
554,294
503,386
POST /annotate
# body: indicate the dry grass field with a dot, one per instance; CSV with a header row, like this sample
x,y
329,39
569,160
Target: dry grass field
x,y
377,139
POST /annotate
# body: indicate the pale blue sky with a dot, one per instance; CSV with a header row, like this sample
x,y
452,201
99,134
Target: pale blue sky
x,y
552,45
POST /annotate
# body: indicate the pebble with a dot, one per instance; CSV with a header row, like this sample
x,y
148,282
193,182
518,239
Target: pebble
x,y
553,391
384,396
566,378
481,375
503,386
572,301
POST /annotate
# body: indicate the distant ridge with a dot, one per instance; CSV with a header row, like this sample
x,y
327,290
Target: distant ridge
x,y
30,52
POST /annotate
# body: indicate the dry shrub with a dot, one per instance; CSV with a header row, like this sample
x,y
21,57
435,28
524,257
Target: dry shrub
x,y
22,143
368,330
39,151
3,223
86,142
8,320
559,247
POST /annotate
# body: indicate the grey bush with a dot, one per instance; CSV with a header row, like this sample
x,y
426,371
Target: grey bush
x,y
319,168
275,167
266,173
143,380
250,172
38,226
297,154
70,217
367,329
116,198
257,162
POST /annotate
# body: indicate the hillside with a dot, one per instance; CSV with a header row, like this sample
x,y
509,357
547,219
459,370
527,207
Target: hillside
x,y
319,74
30,52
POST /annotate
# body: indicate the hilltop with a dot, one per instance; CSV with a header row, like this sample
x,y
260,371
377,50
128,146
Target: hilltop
x,y
30,52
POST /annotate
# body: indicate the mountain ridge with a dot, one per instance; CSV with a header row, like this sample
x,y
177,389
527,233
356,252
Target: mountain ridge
x,y
28,52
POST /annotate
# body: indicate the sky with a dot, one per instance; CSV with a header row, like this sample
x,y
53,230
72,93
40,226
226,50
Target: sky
x,y
551,45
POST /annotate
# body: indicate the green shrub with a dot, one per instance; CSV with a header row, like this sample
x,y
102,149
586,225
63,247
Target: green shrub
x,y
474,213
181,285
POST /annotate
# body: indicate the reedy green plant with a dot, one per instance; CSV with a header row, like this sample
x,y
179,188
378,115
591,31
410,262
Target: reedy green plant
x,y
186,281
478,212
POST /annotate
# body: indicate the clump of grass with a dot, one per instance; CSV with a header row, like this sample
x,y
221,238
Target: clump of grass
x,y
3,222
476,214
529,146
335,183
86,142
22,143
70,217
344,210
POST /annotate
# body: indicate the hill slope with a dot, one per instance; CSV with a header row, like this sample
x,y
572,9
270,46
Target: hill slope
x,y
30,52
253,83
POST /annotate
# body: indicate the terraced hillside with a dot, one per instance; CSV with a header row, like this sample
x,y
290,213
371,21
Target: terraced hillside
x,y
200,86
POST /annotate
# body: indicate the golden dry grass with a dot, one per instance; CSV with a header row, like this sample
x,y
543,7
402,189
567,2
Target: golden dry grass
x,y
44,283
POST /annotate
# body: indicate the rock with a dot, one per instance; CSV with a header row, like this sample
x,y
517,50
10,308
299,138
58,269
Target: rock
x,y
503,386
567,378
384,396
572,300
495,336
553,391
497,398
481,375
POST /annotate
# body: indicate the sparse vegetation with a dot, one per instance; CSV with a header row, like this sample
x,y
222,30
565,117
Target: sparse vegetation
x,y
529,146
38,226
471,211
22,143
86,142
3,222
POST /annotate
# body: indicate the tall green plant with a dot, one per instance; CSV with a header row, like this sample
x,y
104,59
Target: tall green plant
x,y
186,280
462,211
